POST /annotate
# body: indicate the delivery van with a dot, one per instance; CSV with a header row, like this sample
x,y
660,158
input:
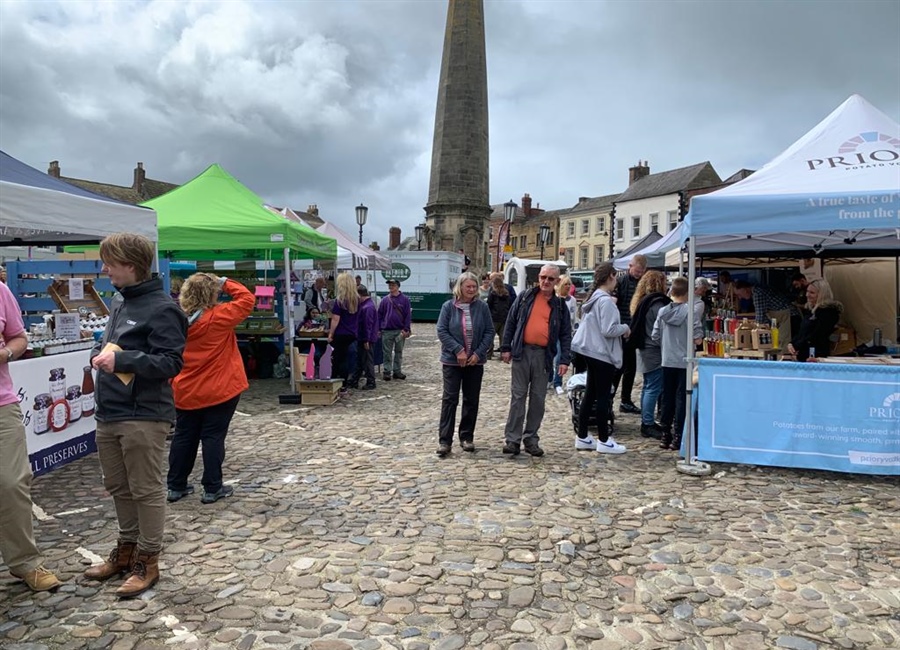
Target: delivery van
x,y
426,278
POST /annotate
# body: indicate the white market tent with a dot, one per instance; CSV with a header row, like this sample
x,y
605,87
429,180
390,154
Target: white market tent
x,y
38,210
834,192
363,257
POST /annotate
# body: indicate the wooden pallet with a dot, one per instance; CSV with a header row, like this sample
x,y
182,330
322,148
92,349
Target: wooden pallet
x,y
91,304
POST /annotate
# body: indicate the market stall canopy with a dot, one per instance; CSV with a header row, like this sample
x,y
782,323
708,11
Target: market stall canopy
x,y
39,210
836,191
637,247
344,257
654,250
215,217
363,258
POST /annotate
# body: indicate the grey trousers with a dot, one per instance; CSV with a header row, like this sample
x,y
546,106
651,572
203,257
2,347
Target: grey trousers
x,y
529,380
16,529
132,455
392,343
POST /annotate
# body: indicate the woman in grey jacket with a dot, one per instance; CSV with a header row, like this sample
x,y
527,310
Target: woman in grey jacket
x,y
466,332
599,341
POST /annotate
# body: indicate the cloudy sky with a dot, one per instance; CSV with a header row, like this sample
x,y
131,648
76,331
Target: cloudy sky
x,y
332,101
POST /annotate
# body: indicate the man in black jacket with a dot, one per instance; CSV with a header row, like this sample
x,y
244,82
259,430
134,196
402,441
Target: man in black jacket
x,y
625,288
537,320
141,351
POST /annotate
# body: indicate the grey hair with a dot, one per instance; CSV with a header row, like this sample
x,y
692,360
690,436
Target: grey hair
x,y
551,267
463,277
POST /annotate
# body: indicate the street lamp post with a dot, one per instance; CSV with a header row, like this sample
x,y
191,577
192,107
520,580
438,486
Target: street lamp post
x,y
509,215
361,213
420,233
545,234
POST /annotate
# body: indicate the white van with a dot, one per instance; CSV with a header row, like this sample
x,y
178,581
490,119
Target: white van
x,y
523,273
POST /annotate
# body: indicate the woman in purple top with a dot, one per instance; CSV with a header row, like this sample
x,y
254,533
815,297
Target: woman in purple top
x,y
344,324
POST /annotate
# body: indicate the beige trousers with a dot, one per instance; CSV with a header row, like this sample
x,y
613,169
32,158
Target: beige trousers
x,y
132,454
16,529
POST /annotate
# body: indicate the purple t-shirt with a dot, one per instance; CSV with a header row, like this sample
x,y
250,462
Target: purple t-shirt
x,y
349,323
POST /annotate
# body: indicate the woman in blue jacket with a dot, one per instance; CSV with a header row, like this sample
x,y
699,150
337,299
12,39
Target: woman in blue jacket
x,y
466,333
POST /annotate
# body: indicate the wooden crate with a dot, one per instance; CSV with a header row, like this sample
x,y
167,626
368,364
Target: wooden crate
x,y
318,391
92,301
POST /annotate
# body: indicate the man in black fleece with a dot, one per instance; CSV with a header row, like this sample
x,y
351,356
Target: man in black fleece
x,y
625,288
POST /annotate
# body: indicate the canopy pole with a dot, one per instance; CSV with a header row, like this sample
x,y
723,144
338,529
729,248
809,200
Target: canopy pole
x,y
289,313
897,286
690,464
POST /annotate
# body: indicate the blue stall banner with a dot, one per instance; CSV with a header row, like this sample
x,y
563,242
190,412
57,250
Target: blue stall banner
x,y
838,417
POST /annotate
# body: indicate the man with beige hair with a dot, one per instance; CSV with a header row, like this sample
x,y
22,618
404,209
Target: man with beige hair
x,y
139,355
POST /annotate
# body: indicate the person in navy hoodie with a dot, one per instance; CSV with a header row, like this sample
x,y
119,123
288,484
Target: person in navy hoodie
x,y
365,341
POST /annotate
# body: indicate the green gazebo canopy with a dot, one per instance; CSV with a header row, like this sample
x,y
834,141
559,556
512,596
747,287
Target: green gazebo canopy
x,y
215,217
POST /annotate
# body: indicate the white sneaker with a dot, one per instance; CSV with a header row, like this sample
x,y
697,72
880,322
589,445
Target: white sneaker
x,y
610,447
585,444
559,390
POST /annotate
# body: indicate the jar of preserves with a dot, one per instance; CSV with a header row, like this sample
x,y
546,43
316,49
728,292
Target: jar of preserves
x,y
73,397
41,410
58,383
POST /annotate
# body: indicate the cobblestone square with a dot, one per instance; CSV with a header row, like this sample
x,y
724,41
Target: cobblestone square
x,y
346,531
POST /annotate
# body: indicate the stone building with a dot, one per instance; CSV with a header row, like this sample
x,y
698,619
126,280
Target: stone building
x,y
141,189
584,232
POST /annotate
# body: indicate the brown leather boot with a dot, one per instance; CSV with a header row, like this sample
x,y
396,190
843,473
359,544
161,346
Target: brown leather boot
x,y
119,562
144,574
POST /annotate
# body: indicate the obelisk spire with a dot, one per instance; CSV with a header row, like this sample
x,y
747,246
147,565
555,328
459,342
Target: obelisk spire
x,y
458,209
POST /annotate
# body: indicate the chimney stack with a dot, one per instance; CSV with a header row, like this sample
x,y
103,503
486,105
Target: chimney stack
x,y
393,238
54,169
313,209
139,178
526,204
637,172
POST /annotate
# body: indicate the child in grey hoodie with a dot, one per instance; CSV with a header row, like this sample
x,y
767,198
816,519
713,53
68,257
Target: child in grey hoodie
x,y
670,331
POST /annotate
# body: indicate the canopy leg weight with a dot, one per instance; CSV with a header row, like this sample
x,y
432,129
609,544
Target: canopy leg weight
x,y
697,468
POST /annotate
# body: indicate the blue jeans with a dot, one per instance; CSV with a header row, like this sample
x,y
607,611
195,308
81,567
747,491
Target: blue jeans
x,y
556,378
650,395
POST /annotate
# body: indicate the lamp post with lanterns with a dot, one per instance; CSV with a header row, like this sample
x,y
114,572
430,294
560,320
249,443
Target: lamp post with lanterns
x,y
544,235
509,215
420,233
361,213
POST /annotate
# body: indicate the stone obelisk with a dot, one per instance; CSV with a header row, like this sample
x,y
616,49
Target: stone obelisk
x,y
458,210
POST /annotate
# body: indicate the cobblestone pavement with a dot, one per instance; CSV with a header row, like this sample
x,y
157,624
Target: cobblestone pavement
x,y
346,531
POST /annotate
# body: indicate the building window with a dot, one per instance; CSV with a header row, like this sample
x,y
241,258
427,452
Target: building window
x,y
601,224
550,238
570,229
491,233
673,220
523,242
654,221
583,257
620,229
585,227
635,227
598,255
570,257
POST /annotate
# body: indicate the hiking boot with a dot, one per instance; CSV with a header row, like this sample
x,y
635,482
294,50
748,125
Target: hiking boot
x,y
144,574
175,495
399,375
585,444
628,407
511,448
368,387
467,445
212,497
386,376
38,579
443,450
534,450
119,561
610,447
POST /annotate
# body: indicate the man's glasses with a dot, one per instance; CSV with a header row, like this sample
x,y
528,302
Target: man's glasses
x,y
548,278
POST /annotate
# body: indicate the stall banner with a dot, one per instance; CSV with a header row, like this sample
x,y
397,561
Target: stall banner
x,y
838,417
56,395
